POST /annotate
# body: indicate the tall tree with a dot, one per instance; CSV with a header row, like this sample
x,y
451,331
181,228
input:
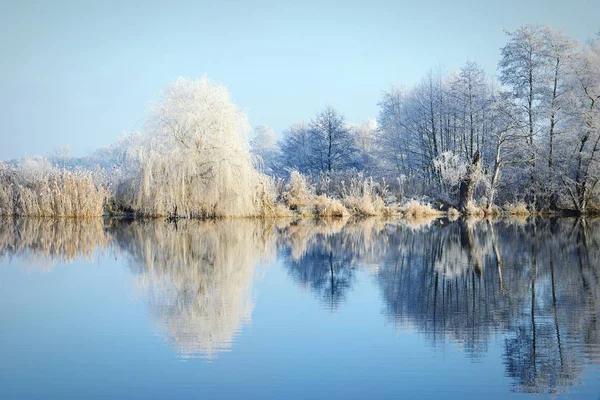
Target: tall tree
x,y
585,128
393,140
522,68
559,49
468,91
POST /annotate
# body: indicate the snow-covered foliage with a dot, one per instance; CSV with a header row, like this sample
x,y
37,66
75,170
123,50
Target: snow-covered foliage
x,y
35,188
451,170
536,129
194,160
362,196
263,146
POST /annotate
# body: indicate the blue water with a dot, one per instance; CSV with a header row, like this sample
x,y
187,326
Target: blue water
x,y
245,309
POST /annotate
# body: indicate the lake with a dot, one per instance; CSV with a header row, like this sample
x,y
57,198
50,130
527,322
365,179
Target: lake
x,y
307,309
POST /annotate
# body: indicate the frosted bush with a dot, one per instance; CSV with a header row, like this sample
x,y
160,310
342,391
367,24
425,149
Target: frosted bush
x,y
327,207
416,209
451,170
297,192
517,208
362,196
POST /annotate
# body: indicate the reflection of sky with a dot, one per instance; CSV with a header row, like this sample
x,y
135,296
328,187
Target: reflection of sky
x,y
80,329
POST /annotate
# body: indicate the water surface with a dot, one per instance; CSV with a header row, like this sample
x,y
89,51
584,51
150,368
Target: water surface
x,y
300,309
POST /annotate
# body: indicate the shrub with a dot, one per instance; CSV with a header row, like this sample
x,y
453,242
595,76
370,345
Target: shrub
x,y
361,198
297,192
415,209
327,207
518,208
474,210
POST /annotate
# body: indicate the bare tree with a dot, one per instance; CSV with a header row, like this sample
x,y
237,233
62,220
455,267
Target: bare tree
x,y
331,143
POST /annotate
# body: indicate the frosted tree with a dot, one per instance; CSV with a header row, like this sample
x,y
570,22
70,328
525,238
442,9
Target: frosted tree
x,y
364,137
263,146
583,173
522,68
295,150
194,159
393,140
323,146
468,90
560,50
332,146
507,134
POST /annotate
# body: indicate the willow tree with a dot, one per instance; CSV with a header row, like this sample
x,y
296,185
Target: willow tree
x,y
194,158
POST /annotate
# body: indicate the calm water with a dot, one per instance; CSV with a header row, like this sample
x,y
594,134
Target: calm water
x,y
340,309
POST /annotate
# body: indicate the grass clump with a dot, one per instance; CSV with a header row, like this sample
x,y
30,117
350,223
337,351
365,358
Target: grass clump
x,y
34,188
518,208
416,209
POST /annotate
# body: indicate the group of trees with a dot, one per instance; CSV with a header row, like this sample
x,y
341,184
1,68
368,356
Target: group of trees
x,y
531,135
536,128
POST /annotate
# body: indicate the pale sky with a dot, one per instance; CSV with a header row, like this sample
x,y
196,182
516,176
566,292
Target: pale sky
x,y
83,72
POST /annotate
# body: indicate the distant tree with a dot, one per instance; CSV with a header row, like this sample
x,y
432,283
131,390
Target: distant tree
x,y
332,146
324,145
295,150
364,137
61,155
263,146
393,140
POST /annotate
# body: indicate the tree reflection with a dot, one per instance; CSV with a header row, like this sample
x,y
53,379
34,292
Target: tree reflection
x,y
536,282
42,242
198,277
532,283
323,254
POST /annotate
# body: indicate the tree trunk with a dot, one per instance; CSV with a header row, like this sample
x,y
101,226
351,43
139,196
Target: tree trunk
x,y
495,175
467,184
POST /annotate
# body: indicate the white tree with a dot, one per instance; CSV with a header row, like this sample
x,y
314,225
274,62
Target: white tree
x,y
263,146
194,160
364,137
560,50
331,143
583,170
522,68
295,150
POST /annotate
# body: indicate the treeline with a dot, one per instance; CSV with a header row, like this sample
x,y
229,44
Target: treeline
x,y
536,128
457,142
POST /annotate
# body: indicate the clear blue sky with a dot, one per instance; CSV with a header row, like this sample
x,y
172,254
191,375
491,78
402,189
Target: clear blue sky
x,y
83,72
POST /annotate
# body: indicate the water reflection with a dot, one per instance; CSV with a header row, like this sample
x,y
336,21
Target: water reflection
x,y
197,277
536,282
531,286
41,243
